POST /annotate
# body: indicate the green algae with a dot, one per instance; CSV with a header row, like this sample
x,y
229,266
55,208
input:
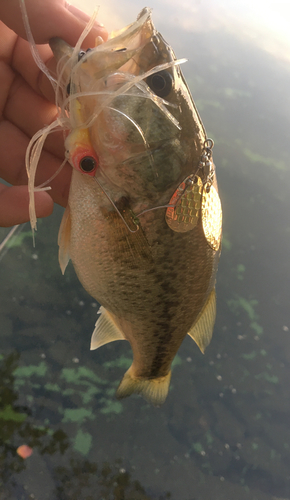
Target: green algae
x,y
111,391
258,328
209,438
111,407
9,414
226,244
121,362
240,271
247,305
273,379
68,392
197,447
82,442
17,240
52,387
19,382
176,362
231,93
30,370
245,375
77,414
90,393
79,374
79,381
205,103
82,376
250,356
270,162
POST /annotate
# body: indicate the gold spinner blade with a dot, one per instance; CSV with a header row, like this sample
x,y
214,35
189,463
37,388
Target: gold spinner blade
x,y
190,198
211,216
186,200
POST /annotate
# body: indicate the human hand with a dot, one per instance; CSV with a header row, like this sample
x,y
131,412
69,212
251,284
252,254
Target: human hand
x,y
26,102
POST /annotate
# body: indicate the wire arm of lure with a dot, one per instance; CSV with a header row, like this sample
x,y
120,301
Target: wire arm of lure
x,y
134,81
154,208
115,207
205,168
137,126
145,95
205,162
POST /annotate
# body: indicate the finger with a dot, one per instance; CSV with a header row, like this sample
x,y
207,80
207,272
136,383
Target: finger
x,y
30,112
14,205
13,145
71,18
23,63
48,19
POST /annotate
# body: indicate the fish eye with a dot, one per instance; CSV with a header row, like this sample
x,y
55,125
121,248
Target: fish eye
x,y
87,164
161,83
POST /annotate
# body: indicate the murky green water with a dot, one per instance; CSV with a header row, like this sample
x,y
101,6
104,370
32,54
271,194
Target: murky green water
x,y
223,432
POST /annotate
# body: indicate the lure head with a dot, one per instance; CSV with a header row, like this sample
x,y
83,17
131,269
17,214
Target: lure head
x,y
130,110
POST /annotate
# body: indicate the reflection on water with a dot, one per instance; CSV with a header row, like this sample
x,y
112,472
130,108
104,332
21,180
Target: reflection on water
x,y
223,432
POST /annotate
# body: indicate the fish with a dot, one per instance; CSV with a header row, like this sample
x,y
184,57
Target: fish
x,y
143,223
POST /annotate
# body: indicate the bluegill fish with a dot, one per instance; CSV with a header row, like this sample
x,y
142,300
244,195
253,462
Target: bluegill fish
x,y
143,221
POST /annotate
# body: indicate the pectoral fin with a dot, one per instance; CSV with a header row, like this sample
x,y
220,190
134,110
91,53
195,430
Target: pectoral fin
x,y
105,331
64,240
155,390
201,331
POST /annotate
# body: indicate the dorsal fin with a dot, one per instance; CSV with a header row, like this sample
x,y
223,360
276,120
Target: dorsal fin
x,y
105,330
201,331
64,240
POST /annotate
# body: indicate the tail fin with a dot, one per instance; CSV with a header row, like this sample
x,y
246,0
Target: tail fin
x,y
155,390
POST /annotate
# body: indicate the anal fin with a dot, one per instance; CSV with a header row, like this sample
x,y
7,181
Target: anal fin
x,y
105,330
201,331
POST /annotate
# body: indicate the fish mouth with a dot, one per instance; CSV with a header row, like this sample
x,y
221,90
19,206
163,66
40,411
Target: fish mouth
x,y
111,55
132,62
134,50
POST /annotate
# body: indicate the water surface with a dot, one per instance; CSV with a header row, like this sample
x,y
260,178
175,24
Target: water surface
x,y
223,432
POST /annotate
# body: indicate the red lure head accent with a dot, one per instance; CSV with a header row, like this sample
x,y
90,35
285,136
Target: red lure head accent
x,y
85,160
